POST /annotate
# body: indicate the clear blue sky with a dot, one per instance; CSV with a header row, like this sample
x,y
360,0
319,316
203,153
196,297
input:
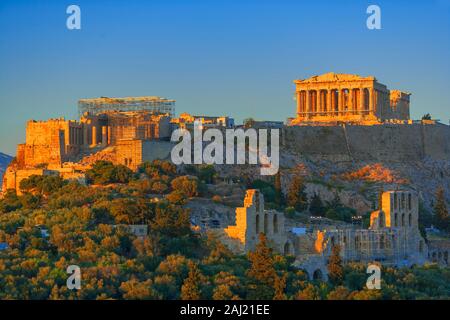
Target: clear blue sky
x,y
214,57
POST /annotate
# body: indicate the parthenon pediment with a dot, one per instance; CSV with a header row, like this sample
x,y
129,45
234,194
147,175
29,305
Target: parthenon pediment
x,y
331,76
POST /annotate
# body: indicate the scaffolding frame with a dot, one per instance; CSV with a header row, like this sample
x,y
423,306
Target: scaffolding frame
x,y
102,105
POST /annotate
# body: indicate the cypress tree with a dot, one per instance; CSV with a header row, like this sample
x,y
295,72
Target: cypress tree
x,y
335,269
296,196
440,211
190,289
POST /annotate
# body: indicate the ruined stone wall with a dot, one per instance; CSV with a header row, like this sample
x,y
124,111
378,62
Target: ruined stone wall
x,y
129,153
44,142
12,178
387,142
50,142
154,149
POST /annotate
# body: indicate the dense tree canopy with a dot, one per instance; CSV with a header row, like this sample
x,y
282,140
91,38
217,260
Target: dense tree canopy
x,y
49,228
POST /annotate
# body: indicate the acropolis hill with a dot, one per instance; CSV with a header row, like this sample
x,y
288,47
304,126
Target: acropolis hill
x,y
343,122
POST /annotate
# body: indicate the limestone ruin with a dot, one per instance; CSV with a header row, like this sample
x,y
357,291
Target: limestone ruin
x,y
331,98
393,237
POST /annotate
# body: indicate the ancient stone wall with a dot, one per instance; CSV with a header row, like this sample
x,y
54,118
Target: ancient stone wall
x,y
387,142
50,142
12,178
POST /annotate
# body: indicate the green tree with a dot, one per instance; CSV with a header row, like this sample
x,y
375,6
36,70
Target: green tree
x,y
248,122
10,201
296,196
206,173
278,191
262,272
104,172
425,219
186,185
335,269
280,287
310,292
42,184
316,206
426,116
190,290
440,211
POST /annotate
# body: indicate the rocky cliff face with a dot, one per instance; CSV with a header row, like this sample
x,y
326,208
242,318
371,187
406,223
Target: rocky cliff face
x,y
358,162
4,162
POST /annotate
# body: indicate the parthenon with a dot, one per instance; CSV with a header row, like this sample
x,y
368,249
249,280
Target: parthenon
x,y
335,97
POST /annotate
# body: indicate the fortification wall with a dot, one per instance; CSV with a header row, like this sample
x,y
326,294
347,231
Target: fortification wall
x,y
387,142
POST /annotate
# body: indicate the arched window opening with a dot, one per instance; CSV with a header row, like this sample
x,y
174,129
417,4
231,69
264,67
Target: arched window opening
x,y
257,224
266,227
409,201
317,275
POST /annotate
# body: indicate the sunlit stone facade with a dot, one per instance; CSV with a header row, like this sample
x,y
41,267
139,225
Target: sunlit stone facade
x,y
335,97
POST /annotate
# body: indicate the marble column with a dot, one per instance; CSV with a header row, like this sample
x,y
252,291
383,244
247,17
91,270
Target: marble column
x,y
94,135
318,104
329,108
350,100
298,102
104,135
109,135
361,98
85,135
371,100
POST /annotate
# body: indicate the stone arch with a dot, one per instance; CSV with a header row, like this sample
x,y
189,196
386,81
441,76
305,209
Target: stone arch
x,y
307,274
409,201
257,223
410,220
396,219
403,220
395,201
275,223
318,275
357,243
266,224
403,203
